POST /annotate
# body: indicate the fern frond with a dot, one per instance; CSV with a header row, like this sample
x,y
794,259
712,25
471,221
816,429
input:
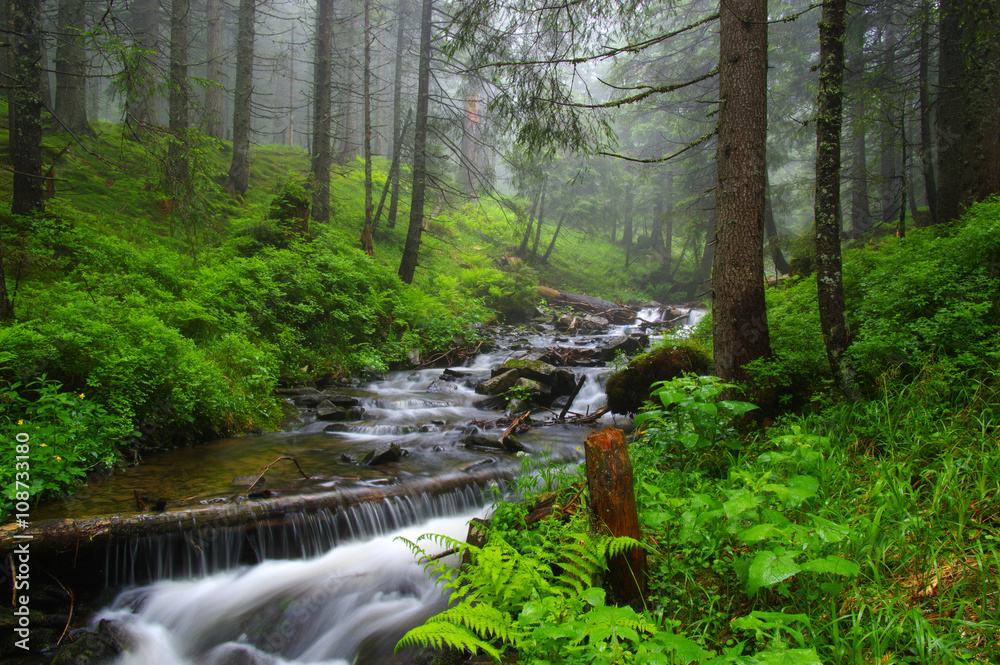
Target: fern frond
x,y
621,544
441,634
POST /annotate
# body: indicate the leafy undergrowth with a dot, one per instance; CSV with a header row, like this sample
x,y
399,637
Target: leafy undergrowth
x,y
866,533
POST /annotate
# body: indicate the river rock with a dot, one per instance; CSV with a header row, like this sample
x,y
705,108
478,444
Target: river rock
x,y
100,646
628,345
310,400
384,454
329,411
480,442
491,403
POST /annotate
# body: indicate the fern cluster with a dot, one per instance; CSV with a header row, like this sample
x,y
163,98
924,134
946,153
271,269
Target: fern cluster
x,y
544,603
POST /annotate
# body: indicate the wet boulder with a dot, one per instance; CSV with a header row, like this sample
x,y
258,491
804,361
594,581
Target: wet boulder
x,y
480,442
99,646
628,345
383,454
629,388
529,378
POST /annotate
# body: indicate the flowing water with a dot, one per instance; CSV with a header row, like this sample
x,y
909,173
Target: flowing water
x,y
328,586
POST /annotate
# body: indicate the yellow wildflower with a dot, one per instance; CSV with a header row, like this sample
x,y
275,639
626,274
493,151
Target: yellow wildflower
x,y
58,459
20,422
43,445
81,395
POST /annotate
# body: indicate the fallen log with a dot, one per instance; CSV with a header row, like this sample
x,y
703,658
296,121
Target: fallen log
x,y
613,511
66,535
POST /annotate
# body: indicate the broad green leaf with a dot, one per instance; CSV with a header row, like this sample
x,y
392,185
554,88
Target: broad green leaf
x,y
684,649
758,532
770,567
708,407
593,596
789,657
832,564
739,504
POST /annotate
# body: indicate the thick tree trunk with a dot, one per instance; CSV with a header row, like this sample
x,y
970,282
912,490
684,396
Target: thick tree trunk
x,y
177,152
926,136
239,169
368,232
322,156
468,166
71,68
411,250
213,58
829,275
613,512
398,129
26,108
739,316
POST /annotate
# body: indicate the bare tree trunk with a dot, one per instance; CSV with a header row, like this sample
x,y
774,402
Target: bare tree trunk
x,y
26,108
398,130
739,316
552,243
411,250
177,152
322,156
771,231
239,170
368,232
213,57
140,106
926,137
538,226
829,275
71,68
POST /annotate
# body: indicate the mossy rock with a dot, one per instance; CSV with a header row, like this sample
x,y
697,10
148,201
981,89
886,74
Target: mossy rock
x,y
628,389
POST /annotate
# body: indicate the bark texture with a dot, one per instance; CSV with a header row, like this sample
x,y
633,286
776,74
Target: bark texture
x,y
613,512
26,108
829,119
239,169
739,318
411,250
322,156
177,153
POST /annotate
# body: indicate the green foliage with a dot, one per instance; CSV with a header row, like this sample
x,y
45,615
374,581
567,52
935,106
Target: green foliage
x,y
933,293
628,388
544,603
690,422
61,436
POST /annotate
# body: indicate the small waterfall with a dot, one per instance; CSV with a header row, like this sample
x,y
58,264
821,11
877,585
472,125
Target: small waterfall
x,y
188,554
350,605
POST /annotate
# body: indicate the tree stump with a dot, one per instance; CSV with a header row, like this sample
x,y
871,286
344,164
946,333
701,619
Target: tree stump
x,y
613,512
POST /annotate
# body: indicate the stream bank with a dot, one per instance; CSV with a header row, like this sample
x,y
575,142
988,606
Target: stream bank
x,y
210,527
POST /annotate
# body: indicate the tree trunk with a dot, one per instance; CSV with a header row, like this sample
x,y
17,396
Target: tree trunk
x,y
6,306
538,226
239,170
71,68
627,231
368,232
177,152
26,108
140,107
926,136
398,130
322,156
739,316
468,167
829,275
411,250
213,57
552,243
771,231
613,512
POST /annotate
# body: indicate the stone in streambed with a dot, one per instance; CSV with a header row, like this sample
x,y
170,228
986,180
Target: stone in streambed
x,y
384,454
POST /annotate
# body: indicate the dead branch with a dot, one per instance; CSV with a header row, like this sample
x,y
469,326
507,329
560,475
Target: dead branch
x,y
268,467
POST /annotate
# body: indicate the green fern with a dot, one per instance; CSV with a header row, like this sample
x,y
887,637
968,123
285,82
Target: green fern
x,y
443,634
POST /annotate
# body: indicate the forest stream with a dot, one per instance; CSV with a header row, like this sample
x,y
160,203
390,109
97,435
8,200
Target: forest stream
x,y
318,580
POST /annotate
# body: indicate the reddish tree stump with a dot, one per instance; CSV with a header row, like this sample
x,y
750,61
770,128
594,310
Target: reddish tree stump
x,y
613,512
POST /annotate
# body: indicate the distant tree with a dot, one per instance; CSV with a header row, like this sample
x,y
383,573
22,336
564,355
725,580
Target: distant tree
x,y
26,108
368,231
177,155
411,250
968,112
140,102
239,169
71,67
829,272
322,156
739,316
924,103
213,62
